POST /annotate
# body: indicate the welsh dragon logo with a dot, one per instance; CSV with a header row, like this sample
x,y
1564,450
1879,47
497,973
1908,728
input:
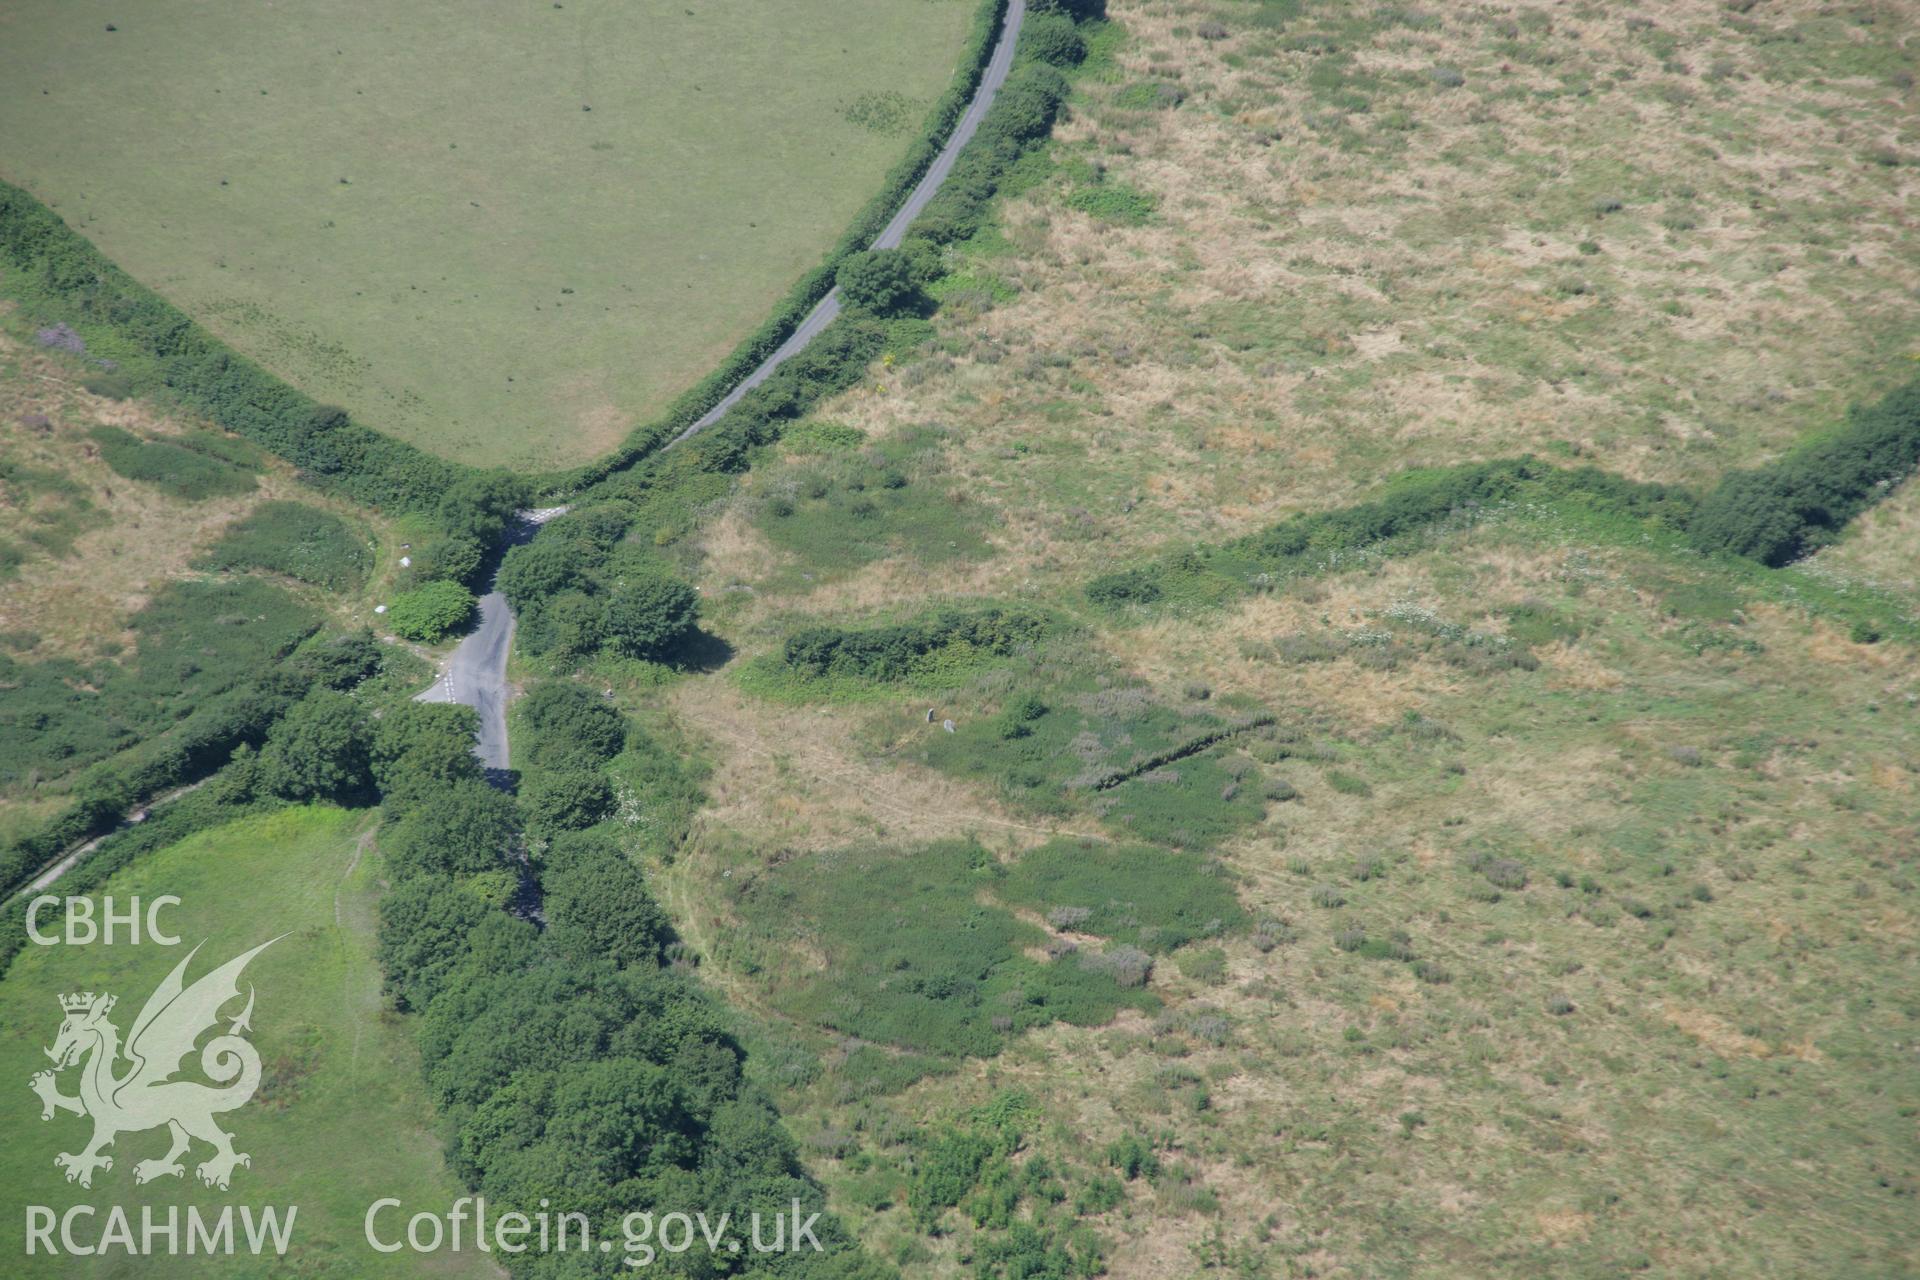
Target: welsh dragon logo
x,y
145,1095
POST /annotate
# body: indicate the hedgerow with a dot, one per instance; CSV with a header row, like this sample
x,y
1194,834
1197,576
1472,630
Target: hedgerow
x,y
676,480
894,652
67,280
1413,505
808,291
210,806
219,665
574,1052
1779,513
64,278
1052,38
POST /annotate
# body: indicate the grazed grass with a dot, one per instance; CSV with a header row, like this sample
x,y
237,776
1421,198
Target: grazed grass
x,y
1582,881
339,1120
538,226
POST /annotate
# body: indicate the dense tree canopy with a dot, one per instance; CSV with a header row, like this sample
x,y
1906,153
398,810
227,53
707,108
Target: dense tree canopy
x,y
649,614
431,612
465,827
881,281
422,747
565,799
568,723
598,901
541,568
320,750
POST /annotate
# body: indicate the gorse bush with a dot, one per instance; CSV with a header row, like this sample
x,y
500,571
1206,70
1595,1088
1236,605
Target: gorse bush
x,y
1114,202
431,613
1777,514
895,652
882,281
914,958
1052,38
218,665
1127,586
297,540
1151,898
197,642
1016,719
110,386
1505,873
1325,895
970,1167
172,468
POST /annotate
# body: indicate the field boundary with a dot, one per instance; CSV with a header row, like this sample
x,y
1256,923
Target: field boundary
x,y
707,401
61,276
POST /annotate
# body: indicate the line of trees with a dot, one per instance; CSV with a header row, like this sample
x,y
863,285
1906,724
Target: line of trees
x,y
573,1063
1777,514
235,719
579,587
564,584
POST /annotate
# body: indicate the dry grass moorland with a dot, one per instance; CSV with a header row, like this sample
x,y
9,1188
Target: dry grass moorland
x,y
1575,873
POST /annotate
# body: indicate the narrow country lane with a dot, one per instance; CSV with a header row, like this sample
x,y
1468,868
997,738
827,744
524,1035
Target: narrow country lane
x,y
476,674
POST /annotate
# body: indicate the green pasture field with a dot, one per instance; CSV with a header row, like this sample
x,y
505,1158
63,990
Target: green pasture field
x,y
339,1120
505,234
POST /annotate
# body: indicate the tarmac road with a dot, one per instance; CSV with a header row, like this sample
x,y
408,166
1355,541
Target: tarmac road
x,y
476,675
824,311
